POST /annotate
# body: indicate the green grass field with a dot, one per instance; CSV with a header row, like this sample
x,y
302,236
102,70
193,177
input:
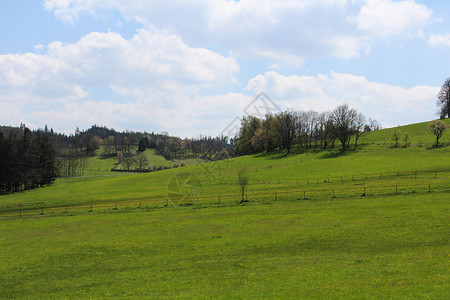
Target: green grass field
x,y
113,236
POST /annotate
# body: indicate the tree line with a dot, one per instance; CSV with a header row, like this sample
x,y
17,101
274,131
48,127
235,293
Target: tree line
x,y
303,129
27,160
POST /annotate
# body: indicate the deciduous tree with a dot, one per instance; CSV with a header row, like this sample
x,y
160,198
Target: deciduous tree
x,y
443,101
437,128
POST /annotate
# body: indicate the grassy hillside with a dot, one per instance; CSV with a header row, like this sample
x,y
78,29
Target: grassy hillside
x,y
374,224
302,168
418,133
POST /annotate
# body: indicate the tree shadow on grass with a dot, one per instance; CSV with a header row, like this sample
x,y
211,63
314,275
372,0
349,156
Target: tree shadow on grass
x,y
280,154
334,153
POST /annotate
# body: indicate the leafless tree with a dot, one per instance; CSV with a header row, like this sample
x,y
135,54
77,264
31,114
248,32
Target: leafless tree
x,y
406,139
360,122
395,137
344,124
437,128
141,161
242,181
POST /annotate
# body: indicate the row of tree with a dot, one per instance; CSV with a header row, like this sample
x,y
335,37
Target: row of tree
x,y
302,129
27,160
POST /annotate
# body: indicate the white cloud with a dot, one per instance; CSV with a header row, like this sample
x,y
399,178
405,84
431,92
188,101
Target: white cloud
x,y
385,17
153,75
439,40
284,31
151,58
389,104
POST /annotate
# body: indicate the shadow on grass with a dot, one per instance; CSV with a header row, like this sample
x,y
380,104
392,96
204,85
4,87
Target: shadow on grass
x,y
440,146
280,154
323,153
334,153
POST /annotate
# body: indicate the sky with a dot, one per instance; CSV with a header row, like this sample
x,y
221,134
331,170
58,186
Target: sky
x,y
195,67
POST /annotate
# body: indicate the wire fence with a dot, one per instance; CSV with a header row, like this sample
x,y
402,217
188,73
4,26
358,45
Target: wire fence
x,y
231,198
346,178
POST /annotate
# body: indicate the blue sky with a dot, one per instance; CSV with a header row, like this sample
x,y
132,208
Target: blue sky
x,y
192,67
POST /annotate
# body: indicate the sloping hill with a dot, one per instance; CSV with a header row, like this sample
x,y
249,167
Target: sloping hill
x,y
269,170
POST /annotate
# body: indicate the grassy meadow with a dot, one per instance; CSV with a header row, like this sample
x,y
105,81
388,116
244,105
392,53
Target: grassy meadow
x,y
367,223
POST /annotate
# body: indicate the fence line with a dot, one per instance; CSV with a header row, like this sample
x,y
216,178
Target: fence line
x,y
272,195
346,178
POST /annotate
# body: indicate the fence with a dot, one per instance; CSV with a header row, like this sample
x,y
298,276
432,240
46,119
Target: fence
x,y
272,195
345,178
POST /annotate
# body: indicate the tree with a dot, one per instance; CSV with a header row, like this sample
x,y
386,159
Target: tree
x,y
128,160
109,148
437,128
141,161
406,139
143,144
242,181
360,122
395,137
443,101
288,126
344,124
249,125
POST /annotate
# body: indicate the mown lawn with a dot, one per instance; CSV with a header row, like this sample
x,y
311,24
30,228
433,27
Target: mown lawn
x,y
373,247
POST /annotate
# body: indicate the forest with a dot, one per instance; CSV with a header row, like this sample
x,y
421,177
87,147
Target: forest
x,y
28,160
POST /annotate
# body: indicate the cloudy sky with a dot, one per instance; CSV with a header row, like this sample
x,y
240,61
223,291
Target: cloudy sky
x,y
191,67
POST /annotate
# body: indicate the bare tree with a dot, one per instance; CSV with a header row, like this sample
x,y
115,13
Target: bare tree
x,y
242,181
437,128
359,124
395,137
406,139
128,160
443,101
141,161
344,124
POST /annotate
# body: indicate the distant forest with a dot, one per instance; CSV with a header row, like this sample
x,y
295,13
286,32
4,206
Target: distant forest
x,y
31,159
